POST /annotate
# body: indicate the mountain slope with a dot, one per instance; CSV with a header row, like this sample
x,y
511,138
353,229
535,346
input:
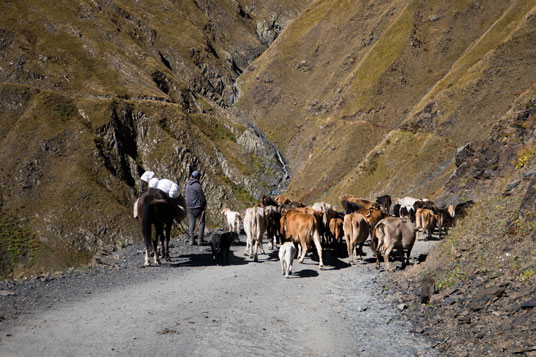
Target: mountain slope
x,y
374,98
96,92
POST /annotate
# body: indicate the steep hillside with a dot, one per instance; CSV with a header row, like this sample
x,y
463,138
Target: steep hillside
x,y
376,97
95,92
485,270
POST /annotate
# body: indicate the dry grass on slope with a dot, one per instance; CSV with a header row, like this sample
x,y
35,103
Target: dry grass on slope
x,y
318,113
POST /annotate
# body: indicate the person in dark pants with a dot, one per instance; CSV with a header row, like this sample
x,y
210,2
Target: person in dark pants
x,y
196,204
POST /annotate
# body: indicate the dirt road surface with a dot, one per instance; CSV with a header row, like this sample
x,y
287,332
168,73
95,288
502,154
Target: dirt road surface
x,y
191,307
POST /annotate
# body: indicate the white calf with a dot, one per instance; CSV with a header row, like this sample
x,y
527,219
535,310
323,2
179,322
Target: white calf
x,y
287,252
233,220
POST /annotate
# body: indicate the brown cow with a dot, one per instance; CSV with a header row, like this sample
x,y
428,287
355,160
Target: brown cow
x,y
318,215
372,216
356,231
301,228
336,231
392,233
361,202
282,200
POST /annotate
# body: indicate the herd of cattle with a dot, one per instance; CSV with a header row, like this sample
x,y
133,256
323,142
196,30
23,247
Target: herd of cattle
x,y
286,221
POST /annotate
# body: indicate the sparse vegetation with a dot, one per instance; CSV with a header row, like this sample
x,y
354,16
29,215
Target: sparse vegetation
x,y
524,156
240,193
18,245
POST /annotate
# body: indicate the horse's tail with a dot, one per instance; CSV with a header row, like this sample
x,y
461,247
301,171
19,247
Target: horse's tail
x,y
135,212
146,220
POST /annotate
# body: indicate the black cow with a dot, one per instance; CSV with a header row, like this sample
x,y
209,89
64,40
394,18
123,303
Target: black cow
x,y
272,230
267,200
425,205
221,245
461,209
405,213
396,210
349,207
384,202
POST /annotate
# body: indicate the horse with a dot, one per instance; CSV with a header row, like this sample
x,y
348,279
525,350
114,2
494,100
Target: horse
x,y
156,208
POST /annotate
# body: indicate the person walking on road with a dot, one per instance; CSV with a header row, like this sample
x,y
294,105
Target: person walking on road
x,y
196,205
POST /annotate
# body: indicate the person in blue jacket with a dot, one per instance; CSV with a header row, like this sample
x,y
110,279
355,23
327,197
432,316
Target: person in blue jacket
x,y
196,205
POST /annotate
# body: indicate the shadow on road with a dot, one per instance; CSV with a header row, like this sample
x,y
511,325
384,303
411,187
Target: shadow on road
x,y
305,273
205,259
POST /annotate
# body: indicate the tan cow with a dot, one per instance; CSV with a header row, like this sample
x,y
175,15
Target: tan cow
x,y
255,225
299,227
336,230
426,221
451,209
392,233
444,221
356,231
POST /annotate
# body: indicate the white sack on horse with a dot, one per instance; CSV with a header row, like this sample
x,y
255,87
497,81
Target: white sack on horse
x,y
174,191
153,183
165,185
147,175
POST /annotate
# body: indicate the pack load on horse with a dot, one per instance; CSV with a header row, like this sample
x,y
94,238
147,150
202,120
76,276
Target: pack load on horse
x,y
159,206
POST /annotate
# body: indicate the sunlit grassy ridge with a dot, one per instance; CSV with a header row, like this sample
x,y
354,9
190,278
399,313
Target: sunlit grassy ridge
x,y
446,72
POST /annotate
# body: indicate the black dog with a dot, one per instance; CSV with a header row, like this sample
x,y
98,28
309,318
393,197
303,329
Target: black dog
x,y
221,244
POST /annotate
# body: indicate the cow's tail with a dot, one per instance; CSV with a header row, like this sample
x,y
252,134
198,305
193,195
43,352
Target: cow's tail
x,y
255,225
237,223
282,223
374,243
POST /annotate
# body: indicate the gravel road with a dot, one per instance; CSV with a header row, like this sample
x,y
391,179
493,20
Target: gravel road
x,y
191,307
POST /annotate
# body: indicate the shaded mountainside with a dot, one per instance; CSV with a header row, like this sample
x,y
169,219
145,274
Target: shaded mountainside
x,y
95,92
